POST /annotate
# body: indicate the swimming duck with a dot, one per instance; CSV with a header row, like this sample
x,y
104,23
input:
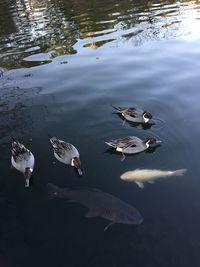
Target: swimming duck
x,y
66,153
23,160
132,144
134,114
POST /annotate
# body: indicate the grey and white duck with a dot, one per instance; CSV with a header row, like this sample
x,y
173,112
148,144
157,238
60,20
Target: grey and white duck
x,y
23,160
66,153
132,144
134,114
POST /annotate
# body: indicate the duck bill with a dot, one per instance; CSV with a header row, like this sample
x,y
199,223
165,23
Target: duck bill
x,y
158,142
27,184
79,171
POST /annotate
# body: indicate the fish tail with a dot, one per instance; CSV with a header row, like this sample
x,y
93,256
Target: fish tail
x,y
54,191
179,172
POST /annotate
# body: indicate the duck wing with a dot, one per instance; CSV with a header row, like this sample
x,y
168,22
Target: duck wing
x,y
120,109
61,147
20,152
134,112
125,142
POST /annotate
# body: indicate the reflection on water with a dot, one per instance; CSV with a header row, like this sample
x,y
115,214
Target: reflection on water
x,y
128,53
66,27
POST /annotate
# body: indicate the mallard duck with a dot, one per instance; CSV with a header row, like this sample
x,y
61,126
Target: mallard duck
x,y
132,144
23,160
134,114
66,153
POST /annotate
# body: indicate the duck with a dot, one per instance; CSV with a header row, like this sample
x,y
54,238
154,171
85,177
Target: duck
x,y
23,160
66,153
132,144
134,114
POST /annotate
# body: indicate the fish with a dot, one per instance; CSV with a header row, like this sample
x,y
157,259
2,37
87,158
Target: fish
x,y
139,176
99,204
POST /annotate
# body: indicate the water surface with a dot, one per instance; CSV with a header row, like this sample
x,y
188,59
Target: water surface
x,y
63,63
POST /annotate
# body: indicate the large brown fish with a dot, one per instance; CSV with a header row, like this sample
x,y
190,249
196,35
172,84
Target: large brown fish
x,y
99,204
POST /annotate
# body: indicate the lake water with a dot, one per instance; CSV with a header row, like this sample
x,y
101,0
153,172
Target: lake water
x,y
63,63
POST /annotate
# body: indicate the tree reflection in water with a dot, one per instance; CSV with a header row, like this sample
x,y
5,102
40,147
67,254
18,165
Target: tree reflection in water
x,y
47,29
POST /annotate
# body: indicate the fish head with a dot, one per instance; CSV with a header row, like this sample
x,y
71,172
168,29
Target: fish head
x,y
77,164
52,190
28,174
131,216
125,176
147,116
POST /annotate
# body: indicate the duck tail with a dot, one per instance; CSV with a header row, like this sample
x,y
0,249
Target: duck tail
x,y
180,172
16,144
49,135
110,143
52,139
116,108
13,140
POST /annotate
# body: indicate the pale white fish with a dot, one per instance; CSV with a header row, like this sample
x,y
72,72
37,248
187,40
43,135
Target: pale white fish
x,y
139,176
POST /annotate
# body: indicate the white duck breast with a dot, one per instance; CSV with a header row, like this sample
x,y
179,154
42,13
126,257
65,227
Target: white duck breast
x,y
24,163
147,175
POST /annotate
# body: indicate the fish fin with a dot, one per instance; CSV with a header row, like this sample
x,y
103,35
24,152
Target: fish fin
x,y
151,182
91,214
140,184
179,172
123,157
107,226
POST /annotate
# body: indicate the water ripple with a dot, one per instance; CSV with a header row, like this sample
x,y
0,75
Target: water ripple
x,y
49,25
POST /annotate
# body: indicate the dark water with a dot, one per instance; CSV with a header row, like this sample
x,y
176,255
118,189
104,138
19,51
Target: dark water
x,y
62,64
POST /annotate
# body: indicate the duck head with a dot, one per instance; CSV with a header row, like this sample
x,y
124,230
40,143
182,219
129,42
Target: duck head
x,y
147,116
151,141
28,174
77,164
